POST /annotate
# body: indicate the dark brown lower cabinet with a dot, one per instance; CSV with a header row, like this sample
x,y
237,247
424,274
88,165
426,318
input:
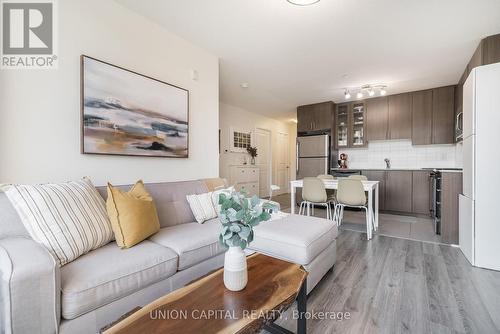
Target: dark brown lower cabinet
x,y
378,175
451,187
398,191
421,192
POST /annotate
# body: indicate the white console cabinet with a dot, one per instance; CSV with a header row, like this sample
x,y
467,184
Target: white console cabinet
x,y
245,178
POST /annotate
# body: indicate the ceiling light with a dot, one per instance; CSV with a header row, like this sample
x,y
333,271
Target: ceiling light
x,y
383,91
302,2
359,95
371,92
244,85
347,95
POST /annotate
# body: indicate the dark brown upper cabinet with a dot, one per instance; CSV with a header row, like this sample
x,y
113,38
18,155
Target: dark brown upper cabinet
x,y
377,118
421,117
443,115
323,113
304,119
357,137
342,129
491,50
487,52
399,116
350,125
315,117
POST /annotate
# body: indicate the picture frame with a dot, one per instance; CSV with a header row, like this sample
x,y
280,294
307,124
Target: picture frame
x,y
240,139
126,113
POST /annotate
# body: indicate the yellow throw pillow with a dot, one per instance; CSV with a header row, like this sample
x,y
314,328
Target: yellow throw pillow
x,y
132,214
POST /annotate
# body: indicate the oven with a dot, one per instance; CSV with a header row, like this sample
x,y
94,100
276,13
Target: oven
x,y
436,200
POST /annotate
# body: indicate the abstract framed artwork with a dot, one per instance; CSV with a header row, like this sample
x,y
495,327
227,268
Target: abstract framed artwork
x,y
127,113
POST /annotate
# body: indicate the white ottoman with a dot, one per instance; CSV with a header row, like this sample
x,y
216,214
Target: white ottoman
x,y
308,241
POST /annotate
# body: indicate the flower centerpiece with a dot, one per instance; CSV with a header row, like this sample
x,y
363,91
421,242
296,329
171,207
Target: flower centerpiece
x,y
239,215
253,153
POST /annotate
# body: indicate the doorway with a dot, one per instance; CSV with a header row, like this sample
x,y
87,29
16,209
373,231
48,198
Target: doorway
x,y
263,160
283,163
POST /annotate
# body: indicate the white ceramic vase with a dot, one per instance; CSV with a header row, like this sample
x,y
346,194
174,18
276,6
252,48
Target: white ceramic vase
x,y
235,269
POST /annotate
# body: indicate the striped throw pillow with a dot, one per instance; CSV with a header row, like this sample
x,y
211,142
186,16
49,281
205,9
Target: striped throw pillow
x,y
201,206
69,219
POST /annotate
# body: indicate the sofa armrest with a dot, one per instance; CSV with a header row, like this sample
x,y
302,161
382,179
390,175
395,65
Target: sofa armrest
x,y
29,288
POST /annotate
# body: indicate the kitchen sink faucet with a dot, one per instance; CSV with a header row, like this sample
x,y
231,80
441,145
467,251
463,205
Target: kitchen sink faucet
x,y
387,163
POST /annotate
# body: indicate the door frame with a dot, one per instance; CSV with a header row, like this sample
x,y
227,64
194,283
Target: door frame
x,y
288,163
270,158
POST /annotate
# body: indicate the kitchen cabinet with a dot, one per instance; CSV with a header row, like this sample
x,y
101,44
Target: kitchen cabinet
x,y
357,128
377,118
443,115
451,187
350,129
304,119
398,191
342,125
378,175
245,178
421,192
399,116
315,117
477,58
487,52
491,50
422,106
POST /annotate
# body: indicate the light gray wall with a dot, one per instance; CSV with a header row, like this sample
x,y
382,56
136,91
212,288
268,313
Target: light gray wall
x,y
40,109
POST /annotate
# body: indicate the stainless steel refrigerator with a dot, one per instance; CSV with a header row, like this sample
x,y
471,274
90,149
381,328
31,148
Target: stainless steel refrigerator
x,y
313,156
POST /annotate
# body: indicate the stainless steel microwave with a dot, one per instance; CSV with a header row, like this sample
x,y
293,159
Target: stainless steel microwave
x,y
459,128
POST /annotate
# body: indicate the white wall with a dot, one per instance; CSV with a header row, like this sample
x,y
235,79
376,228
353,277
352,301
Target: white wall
x,y
40,109
231,116
404,155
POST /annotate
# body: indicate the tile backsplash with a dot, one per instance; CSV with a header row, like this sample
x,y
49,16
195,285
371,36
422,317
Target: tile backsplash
x,y
404,155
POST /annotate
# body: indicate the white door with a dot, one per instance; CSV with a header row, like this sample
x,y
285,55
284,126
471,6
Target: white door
x,y
283,163
263,160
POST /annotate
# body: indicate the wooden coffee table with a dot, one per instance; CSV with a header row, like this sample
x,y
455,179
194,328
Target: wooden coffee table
x,y
206,306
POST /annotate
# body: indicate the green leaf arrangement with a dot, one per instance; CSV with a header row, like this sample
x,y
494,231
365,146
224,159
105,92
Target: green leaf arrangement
x,y
239,214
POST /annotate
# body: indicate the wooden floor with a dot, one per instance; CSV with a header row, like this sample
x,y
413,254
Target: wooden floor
x,y
392,225
392,285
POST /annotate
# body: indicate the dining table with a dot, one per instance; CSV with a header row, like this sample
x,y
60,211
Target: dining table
x,y
370,187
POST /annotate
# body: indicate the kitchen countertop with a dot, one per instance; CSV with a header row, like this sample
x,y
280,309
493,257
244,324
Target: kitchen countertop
x,y
442,170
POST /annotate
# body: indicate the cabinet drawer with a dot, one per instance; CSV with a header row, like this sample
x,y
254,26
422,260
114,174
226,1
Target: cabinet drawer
x,y
245,174
251,188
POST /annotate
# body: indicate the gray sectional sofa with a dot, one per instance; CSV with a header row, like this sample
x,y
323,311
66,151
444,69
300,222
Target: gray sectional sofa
x,y
36,296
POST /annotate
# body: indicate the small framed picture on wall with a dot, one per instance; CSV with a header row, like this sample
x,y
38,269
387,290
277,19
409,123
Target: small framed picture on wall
x,y
240,140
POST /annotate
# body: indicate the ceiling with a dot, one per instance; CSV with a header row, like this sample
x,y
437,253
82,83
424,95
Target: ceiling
x,y
292,55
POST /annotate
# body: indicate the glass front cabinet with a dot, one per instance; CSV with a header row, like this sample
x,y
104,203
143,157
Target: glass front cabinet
x,y
350,125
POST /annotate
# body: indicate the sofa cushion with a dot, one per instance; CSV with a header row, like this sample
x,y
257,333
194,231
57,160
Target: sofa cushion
x,y
69,219
170,200
295,238
110,273
192,242
132,214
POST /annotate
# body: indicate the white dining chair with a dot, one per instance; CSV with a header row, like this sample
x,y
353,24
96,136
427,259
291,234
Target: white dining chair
x,y
330,192
351,193
314,193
